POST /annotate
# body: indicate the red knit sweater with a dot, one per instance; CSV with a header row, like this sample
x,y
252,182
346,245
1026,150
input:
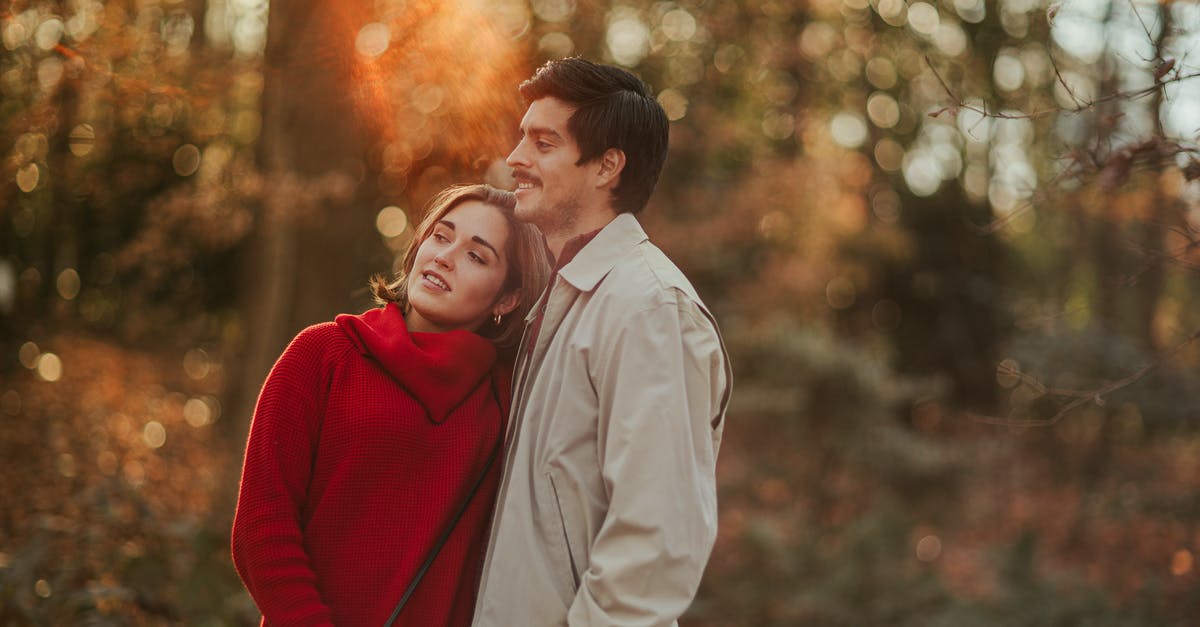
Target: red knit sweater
x,y
364,442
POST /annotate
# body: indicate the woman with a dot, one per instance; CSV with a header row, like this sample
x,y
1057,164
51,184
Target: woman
x,y
372,432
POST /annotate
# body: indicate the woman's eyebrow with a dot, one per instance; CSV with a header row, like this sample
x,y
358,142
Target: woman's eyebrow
x,y
475,238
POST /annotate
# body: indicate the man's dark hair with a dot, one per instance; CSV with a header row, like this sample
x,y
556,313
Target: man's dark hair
x,y
613,109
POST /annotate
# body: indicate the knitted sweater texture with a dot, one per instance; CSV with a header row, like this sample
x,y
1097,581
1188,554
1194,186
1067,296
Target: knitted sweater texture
x,y
365,441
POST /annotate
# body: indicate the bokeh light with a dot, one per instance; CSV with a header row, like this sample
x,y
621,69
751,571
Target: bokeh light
x,y
8,285
512,17
186,160
391,221
82,140
1008,72
49,73
922,173
885,204
14,34
428,97
28,355
929,548
28,176
1182,562
923,18
196,364
848,129
68,284
628,37
883,110
889,154
674,103
778,125
154,434
840,292
373,40
553,10
881,72
49,367
971,11
950,39
894,12
198,412
678,25
49,33
727,56
556,45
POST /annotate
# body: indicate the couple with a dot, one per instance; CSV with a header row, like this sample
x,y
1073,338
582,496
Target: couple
x,y
401,471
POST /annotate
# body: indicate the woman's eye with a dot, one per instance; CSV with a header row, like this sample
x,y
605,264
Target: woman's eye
x,y
477,258
440,238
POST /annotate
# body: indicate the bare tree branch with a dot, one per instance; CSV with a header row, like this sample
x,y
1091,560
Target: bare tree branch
x,y
1083,105
1082,397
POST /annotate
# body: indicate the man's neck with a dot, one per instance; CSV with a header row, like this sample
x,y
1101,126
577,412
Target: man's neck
x,y
594,222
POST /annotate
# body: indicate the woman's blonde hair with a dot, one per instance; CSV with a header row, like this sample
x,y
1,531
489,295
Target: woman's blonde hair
x,y
528,262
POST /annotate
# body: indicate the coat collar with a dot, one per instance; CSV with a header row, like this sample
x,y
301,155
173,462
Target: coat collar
x,y
613,243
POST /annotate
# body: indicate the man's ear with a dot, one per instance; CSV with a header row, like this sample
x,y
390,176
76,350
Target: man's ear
x,y
612,163
507,303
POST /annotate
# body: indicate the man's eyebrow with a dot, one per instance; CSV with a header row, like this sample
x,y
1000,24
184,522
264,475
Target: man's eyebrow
x,y
543,131
474,238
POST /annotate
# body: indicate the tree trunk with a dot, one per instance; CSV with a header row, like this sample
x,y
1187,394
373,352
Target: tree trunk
x,y
1153,280
310,250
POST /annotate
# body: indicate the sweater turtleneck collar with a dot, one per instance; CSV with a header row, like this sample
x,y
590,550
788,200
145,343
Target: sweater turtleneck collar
x,y
439,370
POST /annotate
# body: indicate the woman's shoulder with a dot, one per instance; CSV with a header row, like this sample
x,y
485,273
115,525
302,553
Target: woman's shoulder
x,y
321,342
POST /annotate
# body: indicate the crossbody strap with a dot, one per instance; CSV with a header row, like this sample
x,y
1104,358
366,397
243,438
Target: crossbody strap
x,y
412,585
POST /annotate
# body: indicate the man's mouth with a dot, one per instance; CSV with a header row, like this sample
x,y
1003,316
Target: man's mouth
x,y
525,182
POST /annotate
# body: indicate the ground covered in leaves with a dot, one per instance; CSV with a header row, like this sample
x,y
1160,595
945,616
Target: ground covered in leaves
x,y
120,471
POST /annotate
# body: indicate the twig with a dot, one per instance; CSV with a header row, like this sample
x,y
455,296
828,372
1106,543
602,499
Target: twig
x,y
1133,7
1081,105
1082,397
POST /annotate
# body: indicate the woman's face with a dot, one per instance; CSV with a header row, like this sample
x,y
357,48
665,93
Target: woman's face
x,y
459,270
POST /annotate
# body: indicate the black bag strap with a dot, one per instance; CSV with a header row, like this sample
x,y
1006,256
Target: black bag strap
x,y
437,547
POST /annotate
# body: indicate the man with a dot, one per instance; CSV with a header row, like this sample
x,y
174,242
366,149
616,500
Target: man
x,y
607,508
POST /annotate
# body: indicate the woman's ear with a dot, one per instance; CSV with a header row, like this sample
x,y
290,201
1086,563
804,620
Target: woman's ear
x,y
612,163
507,303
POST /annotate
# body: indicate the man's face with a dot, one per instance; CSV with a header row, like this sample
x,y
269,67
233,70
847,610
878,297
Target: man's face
x,y
551,189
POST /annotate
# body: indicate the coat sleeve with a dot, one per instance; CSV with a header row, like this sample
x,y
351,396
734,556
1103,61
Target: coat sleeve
x,y
267,540
662,385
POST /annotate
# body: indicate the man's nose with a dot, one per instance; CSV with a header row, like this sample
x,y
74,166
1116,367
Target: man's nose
x,y
517,156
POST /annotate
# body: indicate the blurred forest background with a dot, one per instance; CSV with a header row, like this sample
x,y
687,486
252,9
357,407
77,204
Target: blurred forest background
x,y
953,245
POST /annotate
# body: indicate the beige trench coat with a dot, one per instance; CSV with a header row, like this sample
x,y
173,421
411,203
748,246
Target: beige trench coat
x,y
607,507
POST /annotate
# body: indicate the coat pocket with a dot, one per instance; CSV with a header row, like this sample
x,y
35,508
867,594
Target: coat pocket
x,y
565,526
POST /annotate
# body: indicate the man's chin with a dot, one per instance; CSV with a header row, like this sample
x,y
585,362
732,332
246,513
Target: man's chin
x,y
525,211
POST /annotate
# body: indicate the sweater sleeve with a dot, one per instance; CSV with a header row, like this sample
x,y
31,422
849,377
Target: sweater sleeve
x,y
267,539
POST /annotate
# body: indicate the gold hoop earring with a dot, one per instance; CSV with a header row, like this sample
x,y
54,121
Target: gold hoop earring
x,y
496,319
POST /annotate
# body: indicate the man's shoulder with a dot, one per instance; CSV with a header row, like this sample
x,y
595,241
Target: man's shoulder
x,y
647,276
